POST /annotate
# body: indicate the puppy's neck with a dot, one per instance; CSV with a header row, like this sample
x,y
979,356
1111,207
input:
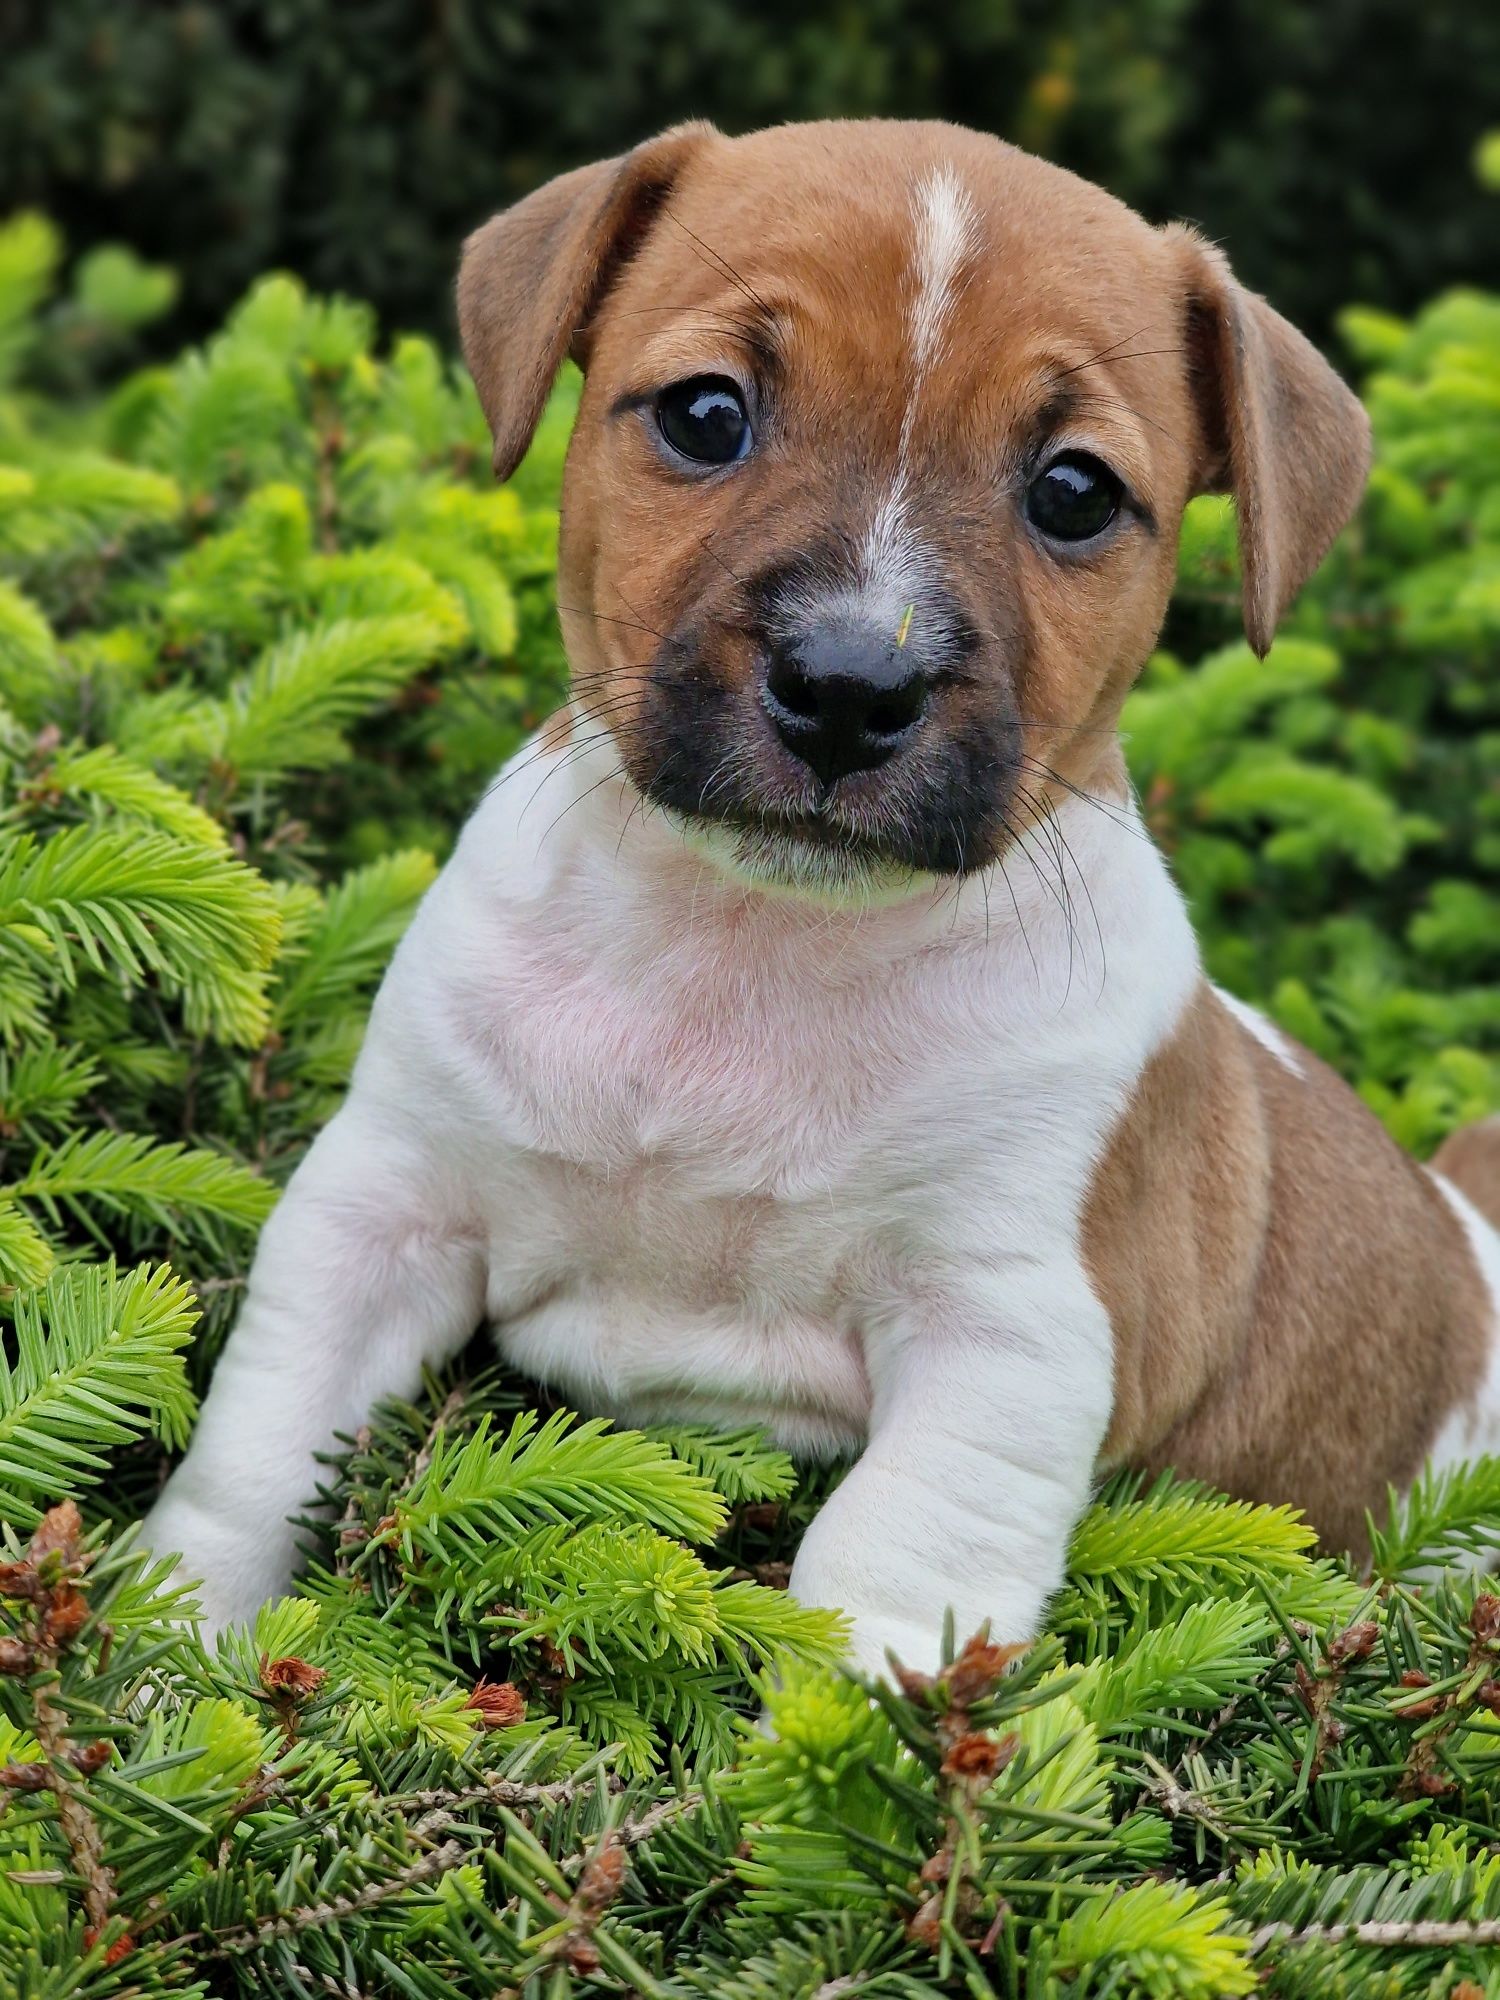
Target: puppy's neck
x,y
592,855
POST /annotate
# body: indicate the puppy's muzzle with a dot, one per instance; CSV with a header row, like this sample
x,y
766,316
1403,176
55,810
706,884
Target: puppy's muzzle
x,y
843,698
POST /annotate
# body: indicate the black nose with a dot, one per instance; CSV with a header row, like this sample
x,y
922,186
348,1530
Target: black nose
x,y
843,698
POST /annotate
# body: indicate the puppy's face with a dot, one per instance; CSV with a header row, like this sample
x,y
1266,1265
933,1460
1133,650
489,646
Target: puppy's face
x,y
871,511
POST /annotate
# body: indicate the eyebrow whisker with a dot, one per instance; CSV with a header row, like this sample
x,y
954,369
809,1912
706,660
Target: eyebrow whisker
x,y
587,611
722,264
1119,402
1060,374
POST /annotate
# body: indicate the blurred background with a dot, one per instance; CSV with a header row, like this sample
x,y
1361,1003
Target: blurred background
x,y
1330,148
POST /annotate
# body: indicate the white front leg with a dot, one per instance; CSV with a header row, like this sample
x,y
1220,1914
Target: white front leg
x,y
991,1399
361,1276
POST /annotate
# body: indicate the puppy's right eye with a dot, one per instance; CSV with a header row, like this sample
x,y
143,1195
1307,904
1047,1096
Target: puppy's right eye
x,y
705,420
1075,498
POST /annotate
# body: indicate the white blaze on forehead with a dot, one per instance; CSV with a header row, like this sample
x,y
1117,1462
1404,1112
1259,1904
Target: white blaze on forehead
x,y
894,567
947,232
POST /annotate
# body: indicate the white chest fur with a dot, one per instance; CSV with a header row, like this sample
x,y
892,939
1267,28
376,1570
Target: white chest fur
x,y
707,1134
697,1151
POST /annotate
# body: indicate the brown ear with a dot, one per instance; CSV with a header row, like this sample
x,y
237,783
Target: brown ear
x,y
1282,433
533,276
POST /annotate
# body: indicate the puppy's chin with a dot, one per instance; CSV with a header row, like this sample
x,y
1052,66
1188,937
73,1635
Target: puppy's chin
x,y
787,864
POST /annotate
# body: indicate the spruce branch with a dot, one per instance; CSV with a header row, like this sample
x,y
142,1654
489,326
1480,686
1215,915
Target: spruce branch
x,y
98,1360
1416,1933
440,1808
45,1591
140,902
127,1172
1444,1515
291,711
318,1916
346,947
548,1470
103,775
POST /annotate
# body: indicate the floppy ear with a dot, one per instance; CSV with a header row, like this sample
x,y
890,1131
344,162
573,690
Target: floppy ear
x,y
533,276
1281,432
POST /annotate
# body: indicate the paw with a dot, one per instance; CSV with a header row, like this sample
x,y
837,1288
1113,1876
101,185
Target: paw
x,y
876,1640
228,1576
916,1646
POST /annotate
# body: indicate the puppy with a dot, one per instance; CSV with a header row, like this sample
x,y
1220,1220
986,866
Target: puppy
x,y
805,1032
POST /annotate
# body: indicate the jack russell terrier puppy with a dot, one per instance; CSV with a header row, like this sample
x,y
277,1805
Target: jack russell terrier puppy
x,y
805,1033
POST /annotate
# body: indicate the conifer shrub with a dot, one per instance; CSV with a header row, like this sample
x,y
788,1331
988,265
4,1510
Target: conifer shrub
x,y
1333,812
265,630
358,144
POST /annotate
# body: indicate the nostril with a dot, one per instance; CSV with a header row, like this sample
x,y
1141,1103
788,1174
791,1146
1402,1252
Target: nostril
x,y
792,688
896,711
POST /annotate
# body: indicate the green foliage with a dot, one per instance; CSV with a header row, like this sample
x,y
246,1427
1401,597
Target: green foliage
x,y
264,631
1166,1814
97,1359
1331,154
1334,811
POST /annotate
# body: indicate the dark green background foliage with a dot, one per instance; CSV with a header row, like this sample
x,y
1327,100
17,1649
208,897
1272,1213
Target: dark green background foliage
x,y
355,141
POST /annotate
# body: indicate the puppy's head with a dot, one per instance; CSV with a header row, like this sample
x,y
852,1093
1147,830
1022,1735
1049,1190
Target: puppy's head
x,y
871,510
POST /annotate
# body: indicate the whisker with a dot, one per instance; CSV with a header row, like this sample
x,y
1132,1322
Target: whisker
x,y
1131,354
569,750
608,778
587,611
720,263
620,593
720,771
1061,374
600,699
706,544
1113,813
1048,813
1018,835
640,800
1020,920
609,675
1043,831
571,755
1119,402
1083,883
693,312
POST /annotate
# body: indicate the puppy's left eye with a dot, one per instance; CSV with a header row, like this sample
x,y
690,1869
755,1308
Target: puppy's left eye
x,y
705,420
1074,498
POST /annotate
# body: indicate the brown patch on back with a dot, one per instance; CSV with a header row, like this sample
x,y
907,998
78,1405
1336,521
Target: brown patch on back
x,y
1471,1160
1296,1308
1173,1225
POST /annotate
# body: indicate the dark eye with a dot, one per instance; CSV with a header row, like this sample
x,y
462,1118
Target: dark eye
x,y
705,420
1075,499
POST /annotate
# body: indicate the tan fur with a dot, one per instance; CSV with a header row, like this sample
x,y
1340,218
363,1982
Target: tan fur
x,y
532,277
1183,379
1263,387
1296,1307
836,273
1471,1160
